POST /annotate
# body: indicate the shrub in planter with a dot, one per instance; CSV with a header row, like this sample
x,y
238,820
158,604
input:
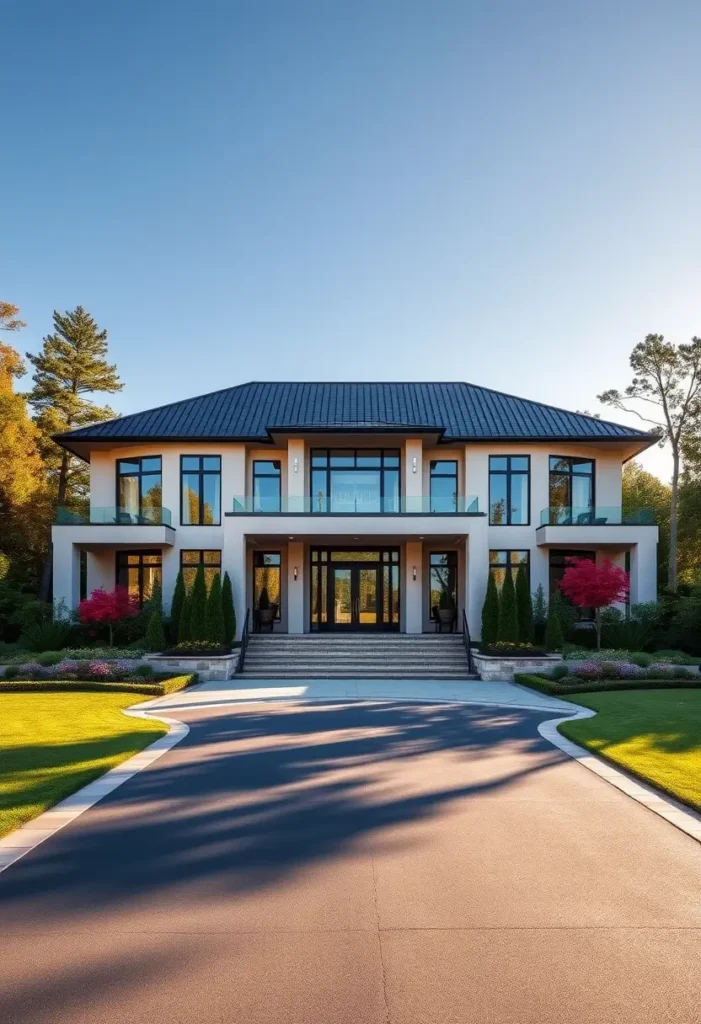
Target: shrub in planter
x,y
227,600
641,659
176,607
198,609
553,629
143,671
193,648
155,633
184,625
502,649
215,613
490,612
508,614
560,672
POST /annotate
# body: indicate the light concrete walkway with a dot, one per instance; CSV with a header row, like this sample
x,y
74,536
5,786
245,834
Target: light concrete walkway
x,y
234,691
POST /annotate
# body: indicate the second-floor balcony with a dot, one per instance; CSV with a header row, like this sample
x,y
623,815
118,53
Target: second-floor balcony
x,y
355,504
596,515
98,515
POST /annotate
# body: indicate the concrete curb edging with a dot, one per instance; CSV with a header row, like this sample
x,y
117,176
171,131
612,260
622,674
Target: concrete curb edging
x,y
29,836
656,801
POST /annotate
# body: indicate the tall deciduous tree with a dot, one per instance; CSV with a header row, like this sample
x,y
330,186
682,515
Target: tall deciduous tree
x,y
71,365
667,382
594,586
644,490
9,321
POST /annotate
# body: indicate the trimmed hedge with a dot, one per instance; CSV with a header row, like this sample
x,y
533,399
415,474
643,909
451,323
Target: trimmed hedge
x,y
555,688
158,688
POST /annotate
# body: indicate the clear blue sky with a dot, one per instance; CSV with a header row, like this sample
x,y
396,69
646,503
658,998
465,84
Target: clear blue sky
x,y
502,192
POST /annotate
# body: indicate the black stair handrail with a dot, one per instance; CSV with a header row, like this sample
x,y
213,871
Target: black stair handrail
x,y
245,637
467,642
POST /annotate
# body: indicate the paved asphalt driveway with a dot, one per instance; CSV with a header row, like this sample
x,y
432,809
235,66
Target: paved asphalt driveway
x,y
357,863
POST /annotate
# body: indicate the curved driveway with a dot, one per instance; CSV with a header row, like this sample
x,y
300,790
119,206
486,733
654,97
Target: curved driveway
x,y
376,862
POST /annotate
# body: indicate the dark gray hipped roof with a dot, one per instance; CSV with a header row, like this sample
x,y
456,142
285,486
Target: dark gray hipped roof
x,y
457,411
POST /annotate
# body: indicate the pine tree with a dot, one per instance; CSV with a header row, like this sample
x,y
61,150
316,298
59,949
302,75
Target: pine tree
x,y
524,605
540,608
155,633
176,607
229,611
508,616
71,365
198,601
490,613
215,613
185,622
553,627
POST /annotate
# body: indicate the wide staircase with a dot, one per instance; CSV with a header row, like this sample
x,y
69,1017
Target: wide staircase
x,y
356,656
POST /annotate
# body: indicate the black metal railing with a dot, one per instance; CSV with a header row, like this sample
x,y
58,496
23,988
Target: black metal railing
x,y
466,641
245,637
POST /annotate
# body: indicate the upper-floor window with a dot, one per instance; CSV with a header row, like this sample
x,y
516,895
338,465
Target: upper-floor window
x,y
266,486
200,490
354,480
444,485
139,487
571,489
509,490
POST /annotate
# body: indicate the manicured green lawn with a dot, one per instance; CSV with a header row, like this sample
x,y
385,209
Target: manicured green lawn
x,y
51,744
656,734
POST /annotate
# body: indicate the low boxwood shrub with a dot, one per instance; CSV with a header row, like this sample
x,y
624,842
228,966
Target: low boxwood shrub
x,y
504,649
559,672
158,687
571,684
192,648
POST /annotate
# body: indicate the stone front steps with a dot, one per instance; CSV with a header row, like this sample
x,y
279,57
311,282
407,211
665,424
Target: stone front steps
x,y
356,656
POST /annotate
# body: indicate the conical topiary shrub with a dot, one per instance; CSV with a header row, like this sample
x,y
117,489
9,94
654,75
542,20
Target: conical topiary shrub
x,y
490,613
508,616
155,633
215,613
553,626
176,607
184,626
227,600
524,605
198,610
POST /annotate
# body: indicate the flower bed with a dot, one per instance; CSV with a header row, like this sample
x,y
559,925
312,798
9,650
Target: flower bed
x,y
637,657
73,654
74,670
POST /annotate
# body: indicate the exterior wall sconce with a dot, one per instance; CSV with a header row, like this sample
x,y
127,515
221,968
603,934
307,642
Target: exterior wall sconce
x,y
414,464
414,574
296,464
294,573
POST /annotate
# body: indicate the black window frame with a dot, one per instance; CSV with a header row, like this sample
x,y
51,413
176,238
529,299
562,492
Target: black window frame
x,y
260,555
508,473
432,474
382,453
260,475
200,562
510,565
201,473
139,553
570,473
140,474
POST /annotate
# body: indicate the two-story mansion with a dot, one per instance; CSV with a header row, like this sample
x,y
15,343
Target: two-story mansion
x,y
352,506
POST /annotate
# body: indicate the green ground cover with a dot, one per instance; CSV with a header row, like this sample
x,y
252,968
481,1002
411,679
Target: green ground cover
x,y
655,734
51,744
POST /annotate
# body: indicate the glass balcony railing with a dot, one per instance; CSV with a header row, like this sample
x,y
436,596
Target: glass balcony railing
x,y
249,505
101,516
599,515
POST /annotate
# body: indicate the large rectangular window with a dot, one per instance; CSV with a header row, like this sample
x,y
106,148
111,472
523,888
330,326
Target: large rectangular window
x,y
267,582
443,583
348,480
444,485
139,572
139,488
503,561
266,486
191,560
200,490
571,490
509,490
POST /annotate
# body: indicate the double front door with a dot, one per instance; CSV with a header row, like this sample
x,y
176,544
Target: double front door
x,y
355,590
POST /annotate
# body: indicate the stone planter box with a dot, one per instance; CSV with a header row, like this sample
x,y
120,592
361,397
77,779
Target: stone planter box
x,y
497,669
223,666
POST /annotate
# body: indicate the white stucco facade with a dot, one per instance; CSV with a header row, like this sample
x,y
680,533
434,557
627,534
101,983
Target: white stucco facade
x,y
296,530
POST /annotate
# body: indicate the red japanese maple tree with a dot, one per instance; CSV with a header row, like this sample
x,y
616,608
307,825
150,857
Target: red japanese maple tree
x,y
108,607
594,586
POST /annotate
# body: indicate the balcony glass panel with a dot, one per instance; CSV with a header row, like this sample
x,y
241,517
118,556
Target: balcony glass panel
x,y
600,515
113,515
355,491
355,501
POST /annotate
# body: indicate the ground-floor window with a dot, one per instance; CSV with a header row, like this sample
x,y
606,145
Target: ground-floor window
x,y
267,582
505,560
443,581
192,559
558,565
139,572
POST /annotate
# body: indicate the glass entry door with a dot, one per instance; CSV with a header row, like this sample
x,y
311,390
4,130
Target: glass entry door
x,y
355,590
